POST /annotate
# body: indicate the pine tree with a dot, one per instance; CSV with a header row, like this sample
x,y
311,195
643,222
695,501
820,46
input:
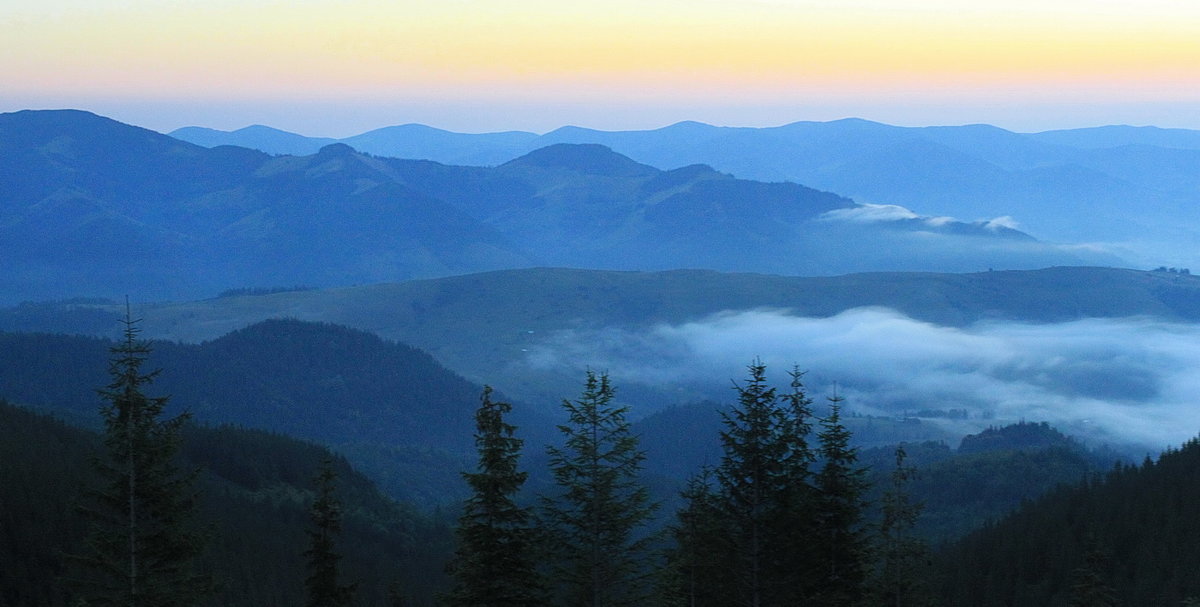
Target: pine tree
x,y
143,540
494,564
904,559
322,585
841,536
602,504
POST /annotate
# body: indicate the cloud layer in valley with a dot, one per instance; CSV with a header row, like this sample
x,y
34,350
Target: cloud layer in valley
x,y
879,213
1129,380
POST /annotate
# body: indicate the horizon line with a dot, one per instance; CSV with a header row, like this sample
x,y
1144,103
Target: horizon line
x,y
611,130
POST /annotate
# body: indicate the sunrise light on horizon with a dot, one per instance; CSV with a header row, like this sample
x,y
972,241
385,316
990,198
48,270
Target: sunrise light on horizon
x,y
326,67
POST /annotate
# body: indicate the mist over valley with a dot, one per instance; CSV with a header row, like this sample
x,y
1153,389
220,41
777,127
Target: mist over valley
x,y
1102,353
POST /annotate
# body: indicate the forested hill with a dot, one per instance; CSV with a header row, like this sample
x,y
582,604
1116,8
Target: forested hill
x,y
393,409
490,308
1132,535
255,490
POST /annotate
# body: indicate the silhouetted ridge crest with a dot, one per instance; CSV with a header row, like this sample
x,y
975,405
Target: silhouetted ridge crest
x,y
95,134
34,120
681,177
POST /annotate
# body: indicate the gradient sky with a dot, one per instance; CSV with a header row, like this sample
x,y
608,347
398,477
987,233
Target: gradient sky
x,y
340,67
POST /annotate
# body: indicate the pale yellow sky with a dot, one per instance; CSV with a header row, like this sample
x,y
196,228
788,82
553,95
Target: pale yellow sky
x,y
336,67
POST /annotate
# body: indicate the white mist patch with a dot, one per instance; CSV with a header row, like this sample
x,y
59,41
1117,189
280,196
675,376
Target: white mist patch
x,y
880,213
1005,222
1136,380
870,213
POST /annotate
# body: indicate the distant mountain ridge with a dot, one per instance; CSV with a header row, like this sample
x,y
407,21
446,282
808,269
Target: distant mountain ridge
x,y
1079,185
95,207
431,143
256,137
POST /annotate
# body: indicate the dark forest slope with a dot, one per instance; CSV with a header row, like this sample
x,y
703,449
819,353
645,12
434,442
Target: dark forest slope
x,y
1138,523
255,490
401,417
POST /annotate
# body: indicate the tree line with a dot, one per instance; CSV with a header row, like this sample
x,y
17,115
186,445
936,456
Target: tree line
x,y
780,520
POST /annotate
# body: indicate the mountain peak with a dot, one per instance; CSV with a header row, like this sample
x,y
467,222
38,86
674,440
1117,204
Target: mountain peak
x,y
336,150
570,130
689,125
30,125
66,116
259,129
586,158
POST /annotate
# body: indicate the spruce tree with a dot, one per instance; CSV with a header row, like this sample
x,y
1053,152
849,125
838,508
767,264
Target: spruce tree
x,y
793,551
322,586
1089,586
143,540
841,534
494,564
760,519
902,571
602,504
753,477
697,565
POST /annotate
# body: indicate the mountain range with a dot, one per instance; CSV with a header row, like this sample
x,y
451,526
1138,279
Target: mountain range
x,y
332,256
1077,186
95,207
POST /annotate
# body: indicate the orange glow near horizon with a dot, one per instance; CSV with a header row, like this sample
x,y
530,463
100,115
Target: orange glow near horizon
x,y
664,49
